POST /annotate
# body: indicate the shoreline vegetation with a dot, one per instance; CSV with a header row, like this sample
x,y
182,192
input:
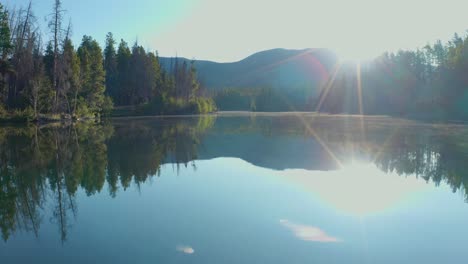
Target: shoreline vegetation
x,y
307,115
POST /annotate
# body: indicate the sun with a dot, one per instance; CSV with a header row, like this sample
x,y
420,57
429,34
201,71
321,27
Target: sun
x,y
355,54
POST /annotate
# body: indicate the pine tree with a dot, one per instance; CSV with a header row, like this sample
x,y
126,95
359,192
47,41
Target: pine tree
x,y
49,61
156,81
194,84
123,68
5,35
110,66
41,93
5,51
71,76
92,77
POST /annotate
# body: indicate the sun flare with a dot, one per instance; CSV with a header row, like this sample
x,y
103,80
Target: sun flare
x,y
357,188
355,54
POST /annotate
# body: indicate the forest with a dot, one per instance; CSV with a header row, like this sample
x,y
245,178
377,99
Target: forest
x,y
43,76
50,79
430,83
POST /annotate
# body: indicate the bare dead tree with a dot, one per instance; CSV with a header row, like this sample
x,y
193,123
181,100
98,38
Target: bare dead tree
x,y
24,37
55,25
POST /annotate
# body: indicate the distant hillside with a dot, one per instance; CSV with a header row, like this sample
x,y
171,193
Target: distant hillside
x,y
277,68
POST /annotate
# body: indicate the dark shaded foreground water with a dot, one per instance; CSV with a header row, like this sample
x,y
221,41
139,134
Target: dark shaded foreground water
x,y
289,189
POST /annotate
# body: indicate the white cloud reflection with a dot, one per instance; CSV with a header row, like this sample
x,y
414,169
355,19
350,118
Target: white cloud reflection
x,y
185,249
308,233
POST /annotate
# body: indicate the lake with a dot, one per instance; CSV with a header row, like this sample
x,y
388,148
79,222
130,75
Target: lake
x,y
234,189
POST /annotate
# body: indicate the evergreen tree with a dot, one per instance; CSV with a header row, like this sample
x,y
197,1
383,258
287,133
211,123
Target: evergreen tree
x,y
123,68
49,61
5,51
156,73
71,76
110,66
60,80
41,93
92,77
5,35
194,84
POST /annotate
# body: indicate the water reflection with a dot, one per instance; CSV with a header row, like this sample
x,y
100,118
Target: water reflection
x,y
436,153
51,162
356,189
43,168
308,233
185,249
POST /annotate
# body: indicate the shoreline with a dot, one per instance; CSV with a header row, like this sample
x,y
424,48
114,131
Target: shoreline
x,y
242,114
381,118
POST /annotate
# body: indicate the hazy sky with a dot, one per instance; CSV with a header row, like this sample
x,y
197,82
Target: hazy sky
x,y
229,30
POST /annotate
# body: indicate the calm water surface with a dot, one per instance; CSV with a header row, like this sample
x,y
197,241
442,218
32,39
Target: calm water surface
x,y
264,189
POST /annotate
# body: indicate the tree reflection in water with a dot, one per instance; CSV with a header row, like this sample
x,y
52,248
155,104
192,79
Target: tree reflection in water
x,y
48,165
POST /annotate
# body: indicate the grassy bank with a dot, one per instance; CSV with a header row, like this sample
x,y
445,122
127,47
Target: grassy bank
x,y
172,106
27,116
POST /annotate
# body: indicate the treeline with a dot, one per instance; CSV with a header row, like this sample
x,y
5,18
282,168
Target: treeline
x,y
431,82
52,79
135,78
264,99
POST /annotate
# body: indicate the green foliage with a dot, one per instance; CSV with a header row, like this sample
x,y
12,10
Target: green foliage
x,y
232,99
86,82
153,91
204,105
5,35
57,79
17,115
176,106
46,95
71,82
123,78
3,112
92,74
82,110
263,99
107,106
27,114
430,83
110,66
48,59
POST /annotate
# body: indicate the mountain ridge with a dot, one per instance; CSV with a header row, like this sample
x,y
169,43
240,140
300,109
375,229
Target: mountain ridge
x,y
284,69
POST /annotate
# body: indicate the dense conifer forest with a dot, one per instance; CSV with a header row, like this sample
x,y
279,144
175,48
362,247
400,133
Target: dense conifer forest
x,y
51,78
